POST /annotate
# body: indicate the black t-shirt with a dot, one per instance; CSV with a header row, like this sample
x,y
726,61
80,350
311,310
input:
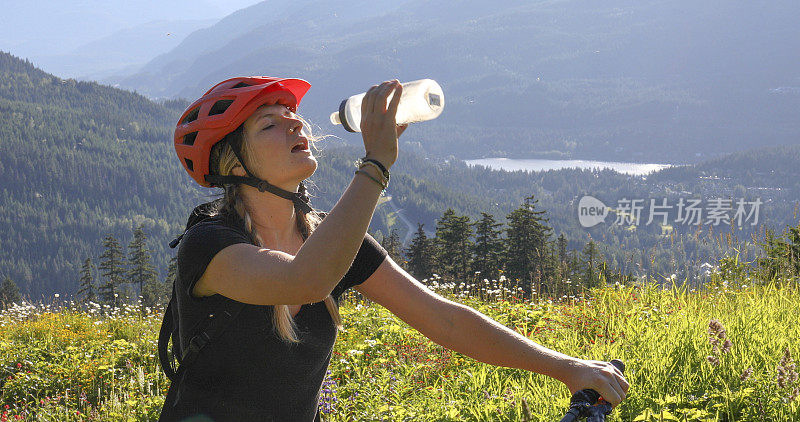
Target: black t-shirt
x,y
249,373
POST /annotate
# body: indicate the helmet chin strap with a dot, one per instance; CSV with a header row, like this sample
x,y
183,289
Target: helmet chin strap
x,y
300,198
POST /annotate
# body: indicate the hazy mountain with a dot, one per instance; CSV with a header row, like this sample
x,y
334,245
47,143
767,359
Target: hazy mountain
x,y
42,29
628,80
124,51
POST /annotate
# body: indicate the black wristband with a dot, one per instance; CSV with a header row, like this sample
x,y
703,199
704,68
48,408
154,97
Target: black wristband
x,y
377,163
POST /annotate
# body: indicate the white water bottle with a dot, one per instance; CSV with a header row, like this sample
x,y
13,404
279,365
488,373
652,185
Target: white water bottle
x,y
421,100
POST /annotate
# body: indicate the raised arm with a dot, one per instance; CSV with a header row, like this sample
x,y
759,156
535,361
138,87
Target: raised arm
x,y
260,276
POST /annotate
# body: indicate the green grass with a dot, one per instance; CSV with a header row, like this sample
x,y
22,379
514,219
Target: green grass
x,y
70,365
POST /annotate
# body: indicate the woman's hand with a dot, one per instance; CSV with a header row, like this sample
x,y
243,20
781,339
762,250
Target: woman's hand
x,y
600,376
378,125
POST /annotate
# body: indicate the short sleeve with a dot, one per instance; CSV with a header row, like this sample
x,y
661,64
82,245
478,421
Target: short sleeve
x,y
367,260
199,246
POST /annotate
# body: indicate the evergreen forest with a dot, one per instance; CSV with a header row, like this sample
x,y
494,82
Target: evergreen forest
x,y
81,163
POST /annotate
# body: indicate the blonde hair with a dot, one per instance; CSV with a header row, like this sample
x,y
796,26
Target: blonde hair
x,y
222,162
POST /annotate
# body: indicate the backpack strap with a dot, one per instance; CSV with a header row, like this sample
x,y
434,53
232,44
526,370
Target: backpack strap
x,y
215,324
168,328
210,328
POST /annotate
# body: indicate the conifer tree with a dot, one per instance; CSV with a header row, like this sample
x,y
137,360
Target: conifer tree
x,y
453,245
140,270
9,293
527,251
590,276
561,245
488,247
574,267
393,246
420,254
86,292
158,293
113,271
172,275
782,253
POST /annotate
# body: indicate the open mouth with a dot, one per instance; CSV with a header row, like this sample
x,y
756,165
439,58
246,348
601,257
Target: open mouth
x,y
301,146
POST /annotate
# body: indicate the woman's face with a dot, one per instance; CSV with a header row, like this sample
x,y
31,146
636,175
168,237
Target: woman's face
x,y
270,134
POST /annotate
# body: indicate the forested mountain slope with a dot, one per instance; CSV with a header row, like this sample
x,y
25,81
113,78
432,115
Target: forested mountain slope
x,y
652,80
79,161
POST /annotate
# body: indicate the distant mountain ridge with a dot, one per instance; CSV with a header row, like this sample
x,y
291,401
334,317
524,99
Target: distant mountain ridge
x,y
649,80
126,50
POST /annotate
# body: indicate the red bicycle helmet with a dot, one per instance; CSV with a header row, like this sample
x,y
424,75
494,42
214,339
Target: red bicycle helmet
x,y
220,111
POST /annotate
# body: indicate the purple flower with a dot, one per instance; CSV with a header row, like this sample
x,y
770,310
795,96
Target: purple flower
x,y
327,398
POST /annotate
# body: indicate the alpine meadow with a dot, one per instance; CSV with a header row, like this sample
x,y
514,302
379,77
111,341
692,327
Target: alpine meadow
x,y
689,275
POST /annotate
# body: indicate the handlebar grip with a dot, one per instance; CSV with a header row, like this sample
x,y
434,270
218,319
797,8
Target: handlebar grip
x,y
590,396
582,400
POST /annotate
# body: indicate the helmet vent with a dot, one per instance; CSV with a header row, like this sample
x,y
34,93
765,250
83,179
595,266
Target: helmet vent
x,y
219,107
188,139
192,116
240,85
189,164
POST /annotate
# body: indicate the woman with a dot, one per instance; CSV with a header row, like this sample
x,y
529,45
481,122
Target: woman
x,y
262,245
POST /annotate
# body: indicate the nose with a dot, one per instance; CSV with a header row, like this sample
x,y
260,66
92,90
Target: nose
x,y
294,124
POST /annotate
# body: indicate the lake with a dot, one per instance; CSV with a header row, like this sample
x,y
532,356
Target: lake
x,y
509,164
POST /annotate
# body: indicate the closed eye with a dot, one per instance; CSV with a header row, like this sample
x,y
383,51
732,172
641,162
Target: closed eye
x,y
270,126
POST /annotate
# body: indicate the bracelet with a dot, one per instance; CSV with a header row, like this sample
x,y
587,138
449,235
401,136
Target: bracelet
x,y
381,167
383,187
384,177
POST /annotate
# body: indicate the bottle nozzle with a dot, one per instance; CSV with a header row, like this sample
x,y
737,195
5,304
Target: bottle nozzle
x,y
335,118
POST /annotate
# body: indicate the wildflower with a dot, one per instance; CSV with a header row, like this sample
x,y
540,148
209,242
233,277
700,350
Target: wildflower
x,y
746,374
328,397
716,327
526,413
787,375
726,347
719,341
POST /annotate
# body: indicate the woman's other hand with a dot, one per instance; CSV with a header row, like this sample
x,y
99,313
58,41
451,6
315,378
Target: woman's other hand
x,y
378,122
600,376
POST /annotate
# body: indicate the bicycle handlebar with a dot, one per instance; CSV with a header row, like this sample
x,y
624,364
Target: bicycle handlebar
x,y
582,403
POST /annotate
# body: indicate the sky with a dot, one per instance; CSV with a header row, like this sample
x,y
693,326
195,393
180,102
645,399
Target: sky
x,y
49,27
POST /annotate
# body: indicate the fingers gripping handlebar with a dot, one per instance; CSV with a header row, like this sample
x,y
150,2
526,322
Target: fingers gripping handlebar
x,y
582,403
